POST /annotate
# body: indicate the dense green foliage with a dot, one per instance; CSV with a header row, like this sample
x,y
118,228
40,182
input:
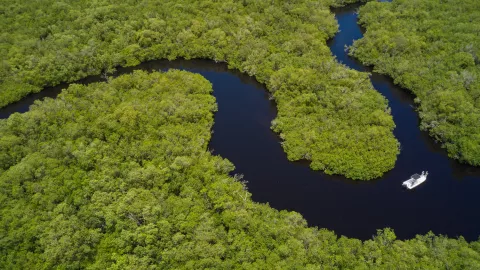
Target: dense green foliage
x,y
341,3
432,48
327,113
117,175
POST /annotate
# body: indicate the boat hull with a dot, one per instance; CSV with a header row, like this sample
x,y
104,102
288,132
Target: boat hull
x,y
412,183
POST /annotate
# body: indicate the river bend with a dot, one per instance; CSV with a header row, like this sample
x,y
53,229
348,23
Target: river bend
x,y
446,203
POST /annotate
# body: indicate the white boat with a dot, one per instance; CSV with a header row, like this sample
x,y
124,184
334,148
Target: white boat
x,y
415,180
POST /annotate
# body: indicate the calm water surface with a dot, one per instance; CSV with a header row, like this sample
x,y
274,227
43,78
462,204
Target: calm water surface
x,y
446,203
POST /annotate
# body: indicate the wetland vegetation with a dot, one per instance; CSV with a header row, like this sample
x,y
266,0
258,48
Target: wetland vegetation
x,y
431,48
327,113
117,174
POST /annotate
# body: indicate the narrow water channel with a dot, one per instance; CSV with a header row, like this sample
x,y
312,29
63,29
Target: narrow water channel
x,y
446,203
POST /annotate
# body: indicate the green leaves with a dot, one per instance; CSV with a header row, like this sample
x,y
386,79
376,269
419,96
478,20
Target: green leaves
x,y
427,47
342,126
117,174
75,188
282,44
154,197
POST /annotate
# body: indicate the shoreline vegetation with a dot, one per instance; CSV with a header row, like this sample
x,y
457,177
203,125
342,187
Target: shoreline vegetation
x,y
117,175
427,47
327,113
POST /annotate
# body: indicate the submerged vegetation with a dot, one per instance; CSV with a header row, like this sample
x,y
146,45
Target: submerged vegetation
x,y
326,113
117,175
432,48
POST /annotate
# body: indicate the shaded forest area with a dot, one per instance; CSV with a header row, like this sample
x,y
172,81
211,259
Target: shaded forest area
x,y
117,175
327,113
431,48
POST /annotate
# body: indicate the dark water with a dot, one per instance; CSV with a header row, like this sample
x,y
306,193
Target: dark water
x,y
446,203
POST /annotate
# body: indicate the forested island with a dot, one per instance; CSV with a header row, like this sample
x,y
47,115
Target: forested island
x,y
431,48
118,174
327,113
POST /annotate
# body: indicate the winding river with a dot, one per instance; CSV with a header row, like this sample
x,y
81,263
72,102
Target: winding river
x,y
446,203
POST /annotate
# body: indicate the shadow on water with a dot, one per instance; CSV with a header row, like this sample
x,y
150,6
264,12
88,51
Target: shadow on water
x,y
446,203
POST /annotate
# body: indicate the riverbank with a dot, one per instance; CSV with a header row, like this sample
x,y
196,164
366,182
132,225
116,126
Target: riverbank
x,y
327,114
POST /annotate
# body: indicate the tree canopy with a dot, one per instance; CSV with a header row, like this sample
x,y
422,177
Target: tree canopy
x,y
327,113
117,175
431,48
